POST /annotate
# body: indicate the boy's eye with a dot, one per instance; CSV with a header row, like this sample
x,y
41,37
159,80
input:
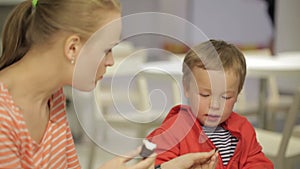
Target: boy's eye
x,y
204,95
226,97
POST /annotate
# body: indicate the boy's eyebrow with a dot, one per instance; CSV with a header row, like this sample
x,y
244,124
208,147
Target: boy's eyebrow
x,y
209,90
230,92
204,88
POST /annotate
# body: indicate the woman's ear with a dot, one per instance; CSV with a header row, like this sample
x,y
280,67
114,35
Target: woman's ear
x,y
72,48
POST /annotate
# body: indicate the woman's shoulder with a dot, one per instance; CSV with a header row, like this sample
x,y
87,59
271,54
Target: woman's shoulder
x,y
4,95
6,103
8,110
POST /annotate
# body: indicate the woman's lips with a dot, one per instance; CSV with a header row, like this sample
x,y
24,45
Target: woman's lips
x,y
99,78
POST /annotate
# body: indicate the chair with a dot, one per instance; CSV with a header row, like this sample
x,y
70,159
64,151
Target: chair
x,y
296,131
276,103
283,148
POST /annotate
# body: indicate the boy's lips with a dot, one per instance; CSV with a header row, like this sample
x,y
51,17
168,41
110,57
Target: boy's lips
x,y
212,117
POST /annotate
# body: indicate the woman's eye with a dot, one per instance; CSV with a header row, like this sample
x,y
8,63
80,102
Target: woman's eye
x,y
108,51
204,95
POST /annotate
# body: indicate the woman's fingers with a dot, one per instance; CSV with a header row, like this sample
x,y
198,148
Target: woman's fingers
x,y
129,156
213,161
201,160
201,157
146,163
188,160
209,164
143,164
119,162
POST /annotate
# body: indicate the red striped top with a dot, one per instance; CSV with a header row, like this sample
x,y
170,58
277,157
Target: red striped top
x,y
19,150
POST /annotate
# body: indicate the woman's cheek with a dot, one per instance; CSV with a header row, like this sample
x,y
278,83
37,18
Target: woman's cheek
x,y
86,71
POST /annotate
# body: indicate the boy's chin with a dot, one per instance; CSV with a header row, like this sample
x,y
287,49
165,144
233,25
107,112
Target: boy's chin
x,y
211,124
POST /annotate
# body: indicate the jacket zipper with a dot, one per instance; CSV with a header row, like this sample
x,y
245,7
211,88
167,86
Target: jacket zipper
x,y
235,134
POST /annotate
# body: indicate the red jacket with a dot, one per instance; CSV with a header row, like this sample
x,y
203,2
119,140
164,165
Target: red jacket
x,y
180,133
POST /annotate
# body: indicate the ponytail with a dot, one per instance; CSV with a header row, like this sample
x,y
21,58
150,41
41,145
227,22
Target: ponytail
x,y
14,42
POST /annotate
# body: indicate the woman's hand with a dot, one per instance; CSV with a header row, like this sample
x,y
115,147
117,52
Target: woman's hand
x,y
201,160
120,162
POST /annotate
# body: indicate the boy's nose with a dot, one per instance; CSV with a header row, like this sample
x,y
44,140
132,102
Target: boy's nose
x,y
215,104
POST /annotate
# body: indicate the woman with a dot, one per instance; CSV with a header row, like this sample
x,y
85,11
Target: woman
x,y
42,41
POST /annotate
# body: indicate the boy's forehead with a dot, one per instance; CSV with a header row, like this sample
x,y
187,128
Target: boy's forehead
x,y
215,74
215,79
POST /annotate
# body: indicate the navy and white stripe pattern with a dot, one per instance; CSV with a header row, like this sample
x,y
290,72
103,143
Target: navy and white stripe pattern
x,y
223,140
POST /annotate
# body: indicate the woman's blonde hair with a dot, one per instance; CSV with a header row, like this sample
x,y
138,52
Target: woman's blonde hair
x,y
35,24
215,55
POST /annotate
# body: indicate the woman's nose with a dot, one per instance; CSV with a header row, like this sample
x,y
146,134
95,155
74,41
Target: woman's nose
x,y
109,60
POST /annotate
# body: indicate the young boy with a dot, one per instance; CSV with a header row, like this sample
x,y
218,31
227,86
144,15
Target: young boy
x,y
213,76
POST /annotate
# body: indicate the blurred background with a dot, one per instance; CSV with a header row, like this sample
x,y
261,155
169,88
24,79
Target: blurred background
x,y
260,28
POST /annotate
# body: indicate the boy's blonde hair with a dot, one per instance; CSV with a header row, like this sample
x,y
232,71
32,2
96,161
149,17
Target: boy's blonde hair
x,y
215,55
28,25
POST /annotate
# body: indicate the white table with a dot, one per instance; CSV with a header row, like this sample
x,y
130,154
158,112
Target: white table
x,y
282,65
285,64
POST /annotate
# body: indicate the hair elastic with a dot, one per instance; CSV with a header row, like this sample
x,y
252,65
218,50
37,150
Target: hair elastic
x,y
34,3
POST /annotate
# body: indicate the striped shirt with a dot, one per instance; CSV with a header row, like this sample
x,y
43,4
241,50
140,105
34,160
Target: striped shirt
x,y
19,150
223,140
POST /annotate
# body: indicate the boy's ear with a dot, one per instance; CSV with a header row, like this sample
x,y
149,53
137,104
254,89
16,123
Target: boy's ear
x,y
186,90
72,47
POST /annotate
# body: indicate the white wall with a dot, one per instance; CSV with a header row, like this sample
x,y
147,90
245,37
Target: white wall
x,y
242,22
287,26
238,21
